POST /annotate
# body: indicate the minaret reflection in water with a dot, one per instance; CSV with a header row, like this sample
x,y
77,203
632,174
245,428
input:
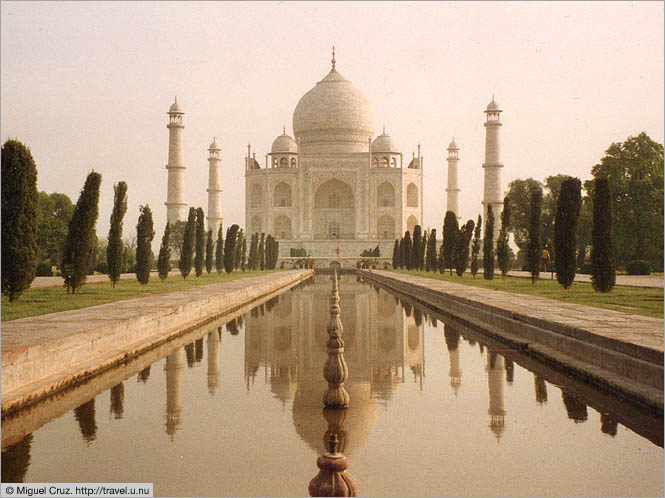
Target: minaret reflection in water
x,y
175,363
495,371
213,360
290,345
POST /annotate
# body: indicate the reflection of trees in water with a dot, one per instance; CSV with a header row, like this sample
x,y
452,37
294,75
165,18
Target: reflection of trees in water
x,y
407,308
608,425
541,389
576,409
16,460
198,347
189,351
451,336
144,375
118,400
271,303
232,327
510,371
85,416
418,316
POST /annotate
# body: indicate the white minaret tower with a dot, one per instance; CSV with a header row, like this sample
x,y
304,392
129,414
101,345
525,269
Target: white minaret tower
x,y
493,164
453,189
176,207
214,188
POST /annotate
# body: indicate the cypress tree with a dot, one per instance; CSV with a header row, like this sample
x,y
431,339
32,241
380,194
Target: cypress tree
x,y
462,248
565,230
450,231
199,257
230,247
423,250
164,254
144,235
243,259
19,219
407,249
209,250
400,260
396,254
475,246
488,246
188,240
252,251
262,252
238,250
115,245
603,271
78,244
417,244
534,248
431,263
502,247
219,250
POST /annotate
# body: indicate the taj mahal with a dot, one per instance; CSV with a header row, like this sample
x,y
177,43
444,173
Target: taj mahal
x,y
333,188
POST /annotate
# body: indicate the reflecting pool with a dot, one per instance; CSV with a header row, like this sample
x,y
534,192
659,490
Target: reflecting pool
x,y
234,409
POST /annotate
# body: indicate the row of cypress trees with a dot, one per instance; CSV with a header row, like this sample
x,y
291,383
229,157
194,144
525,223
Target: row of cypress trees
x,y
263,252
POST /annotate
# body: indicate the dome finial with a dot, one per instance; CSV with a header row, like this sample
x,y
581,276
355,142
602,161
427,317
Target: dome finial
x,y
176,99
333,57
283,129
384,129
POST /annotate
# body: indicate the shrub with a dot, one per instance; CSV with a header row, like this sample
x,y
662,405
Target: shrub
x,y
586,269
638,267
44,269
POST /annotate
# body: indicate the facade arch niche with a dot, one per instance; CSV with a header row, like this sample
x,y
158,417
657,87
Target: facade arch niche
x,y
282,195
393,162
411,222
334,216
294,163
385,227
283,163
257,225
384,162
256,196
385,195
375,163
412,195
283,227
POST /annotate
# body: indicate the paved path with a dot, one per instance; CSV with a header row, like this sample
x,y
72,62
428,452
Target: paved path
x,y
652,281
624,327
41,282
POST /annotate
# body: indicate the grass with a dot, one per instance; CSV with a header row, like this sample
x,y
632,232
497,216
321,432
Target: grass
x,y
35,302
636,300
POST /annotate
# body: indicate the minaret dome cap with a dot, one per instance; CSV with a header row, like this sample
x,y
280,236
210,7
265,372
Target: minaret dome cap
x,y
214,145
284,144
175,108
493,106
453,145
384,143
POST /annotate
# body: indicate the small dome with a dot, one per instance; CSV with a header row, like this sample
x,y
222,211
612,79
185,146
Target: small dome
x,y
214,146
453,145
384,143
175,108
284,144
493,106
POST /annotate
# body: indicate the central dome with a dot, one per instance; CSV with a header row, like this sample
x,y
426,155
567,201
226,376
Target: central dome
x,y
333,111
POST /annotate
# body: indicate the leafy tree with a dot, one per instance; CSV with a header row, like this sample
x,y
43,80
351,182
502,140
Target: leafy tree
x,y
534,248
55,211
430,261
488,246
475,246
230,247
519,193
450,231
603,271
129,255
144,234
565,231
80,236
253,250
462,242
396,254
188,241
502,248
417,244
115,245
209,251
219,250
584,227
635,171
407,249
19,219
262,252
163,260
550,200
177,237
199,257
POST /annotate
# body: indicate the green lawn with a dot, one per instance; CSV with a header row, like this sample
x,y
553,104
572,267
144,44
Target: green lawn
x,y
637,300
34,302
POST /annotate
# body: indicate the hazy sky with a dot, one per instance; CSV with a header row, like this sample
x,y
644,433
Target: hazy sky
x,y
87,86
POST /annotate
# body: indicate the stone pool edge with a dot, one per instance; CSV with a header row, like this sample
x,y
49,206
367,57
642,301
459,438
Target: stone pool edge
x,y
40,369
631,371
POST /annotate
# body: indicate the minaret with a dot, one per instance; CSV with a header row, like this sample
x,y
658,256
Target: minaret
x,y
453,188
493,164
214,190
176,207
